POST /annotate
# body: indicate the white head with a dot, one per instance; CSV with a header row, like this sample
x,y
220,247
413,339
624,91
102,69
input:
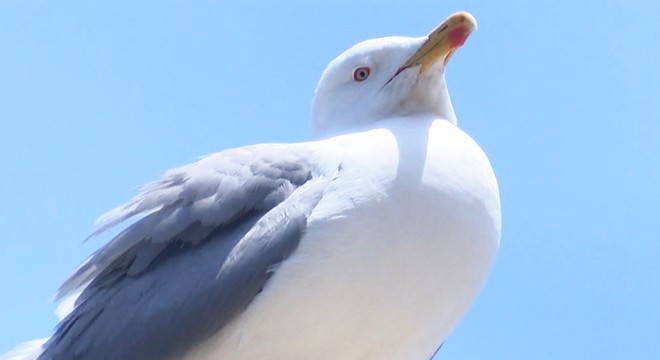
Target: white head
x,y
389,77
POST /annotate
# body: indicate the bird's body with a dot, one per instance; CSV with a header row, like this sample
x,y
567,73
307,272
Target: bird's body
x,y
369,243
375,280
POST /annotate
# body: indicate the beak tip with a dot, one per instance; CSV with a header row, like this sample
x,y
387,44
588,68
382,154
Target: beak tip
x,y
466,18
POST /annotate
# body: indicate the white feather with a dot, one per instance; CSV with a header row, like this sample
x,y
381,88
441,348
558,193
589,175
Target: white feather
x,y
29,350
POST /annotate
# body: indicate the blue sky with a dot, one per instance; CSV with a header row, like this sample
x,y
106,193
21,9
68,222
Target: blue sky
x,y
97,98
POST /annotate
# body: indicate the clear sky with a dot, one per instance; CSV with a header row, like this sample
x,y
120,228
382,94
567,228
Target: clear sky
x,y
97,98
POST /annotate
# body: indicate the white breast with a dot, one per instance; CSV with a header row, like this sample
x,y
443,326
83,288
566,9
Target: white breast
x,y
393,255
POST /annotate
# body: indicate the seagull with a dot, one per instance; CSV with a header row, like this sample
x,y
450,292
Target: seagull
x,y
369,242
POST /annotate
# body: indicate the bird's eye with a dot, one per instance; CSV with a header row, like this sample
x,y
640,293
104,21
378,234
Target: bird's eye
x,y
361,73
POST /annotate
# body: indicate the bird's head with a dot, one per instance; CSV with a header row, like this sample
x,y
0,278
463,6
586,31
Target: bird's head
x,y
389,77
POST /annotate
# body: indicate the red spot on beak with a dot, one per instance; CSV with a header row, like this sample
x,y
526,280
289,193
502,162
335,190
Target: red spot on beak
x,y
457,36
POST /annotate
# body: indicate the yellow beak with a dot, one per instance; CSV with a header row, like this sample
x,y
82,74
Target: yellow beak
x,y
442,41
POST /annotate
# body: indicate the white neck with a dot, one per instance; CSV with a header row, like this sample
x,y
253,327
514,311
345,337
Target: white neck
x,y
428,97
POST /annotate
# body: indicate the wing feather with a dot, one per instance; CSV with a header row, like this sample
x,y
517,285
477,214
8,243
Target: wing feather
x,y
209,235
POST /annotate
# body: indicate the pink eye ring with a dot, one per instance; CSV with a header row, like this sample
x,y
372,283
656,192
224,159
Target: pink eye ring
x,y
361,73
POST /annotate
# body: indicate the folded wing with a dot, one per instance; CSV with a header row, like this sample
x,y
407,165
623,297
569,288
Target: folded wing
x,y
209,236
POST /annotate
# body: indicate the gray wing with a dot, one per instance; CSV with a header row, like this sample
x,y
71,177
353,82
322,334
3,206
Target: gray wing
x,y
212,233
